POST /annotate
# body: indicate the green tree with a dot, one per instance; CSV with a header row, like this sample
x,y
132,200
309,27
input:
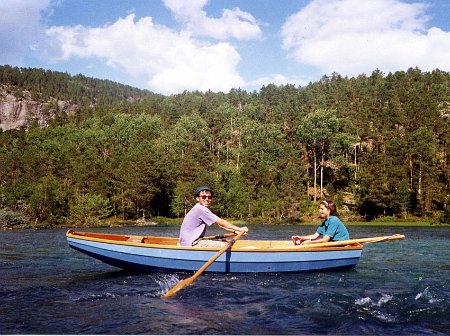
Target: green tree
x,y
86,209
317,131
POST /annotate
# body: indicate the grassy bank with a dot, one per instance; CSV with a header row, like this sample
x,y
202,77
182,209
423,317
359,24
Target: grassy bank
x,y
381,223
13,221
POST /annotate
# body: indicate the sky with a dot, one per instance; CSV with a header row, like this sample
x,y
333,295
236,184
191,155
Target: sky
x,y
172,46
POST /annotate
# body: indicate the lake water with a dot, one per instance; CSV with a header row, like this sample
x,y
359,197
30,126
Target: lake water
x,y
399,287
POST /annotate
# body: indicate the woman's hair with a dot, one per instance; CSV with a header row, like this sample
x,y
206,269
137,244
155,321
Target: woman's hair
x,y
331,206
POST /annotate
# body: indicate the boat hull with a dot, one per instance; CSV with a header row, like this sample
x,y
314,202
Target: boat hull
x,y
244,259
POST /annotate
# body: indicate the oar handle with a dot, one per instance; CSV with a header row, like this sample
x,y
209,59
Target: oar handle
x,y
221,236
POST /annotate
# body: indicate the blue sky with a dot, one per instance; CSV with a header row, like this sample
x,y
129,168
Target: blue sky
x,y
169,46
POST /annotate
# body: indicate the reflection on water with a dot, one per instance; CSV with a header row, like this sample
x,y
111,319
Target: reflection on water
x,y
398,287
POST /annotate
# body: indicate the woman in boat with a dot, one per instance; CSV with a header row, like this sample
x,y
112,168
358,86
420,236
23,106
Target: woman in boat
x,y
331,229
196,221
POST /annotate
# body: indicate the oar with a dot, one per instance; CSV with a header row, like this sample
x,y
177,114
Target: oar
x,y
354,241
186,282
222,236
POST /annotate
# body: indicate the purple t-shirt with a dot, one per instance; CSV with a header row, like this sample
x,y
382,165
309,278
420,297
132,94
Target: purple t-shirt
x,y
194,224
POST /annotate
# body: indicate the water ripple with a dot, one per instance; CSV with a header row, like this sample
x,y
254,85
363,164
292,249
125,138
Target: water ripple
x,y
47,288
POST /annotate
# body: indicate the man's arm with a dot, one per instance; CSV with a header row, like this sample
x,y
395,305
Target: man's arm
x,y
230,227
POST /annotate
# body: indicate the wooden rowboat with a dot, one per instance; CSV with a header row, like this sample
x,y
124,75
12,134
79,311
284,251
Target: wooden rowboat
x,y
151,253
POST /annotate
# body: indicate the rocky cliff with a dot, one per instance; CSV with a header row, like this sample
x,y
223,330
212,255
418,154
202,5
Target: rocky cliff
x,y
17,112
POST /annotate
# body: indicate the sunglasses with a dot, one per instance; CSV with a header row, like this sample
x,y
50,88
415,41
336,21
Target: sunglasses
x,y
203,197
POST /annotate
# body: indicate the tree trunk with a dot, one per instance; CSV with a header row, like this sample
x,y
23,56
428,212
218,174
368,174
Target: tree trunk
x,y
315,174
239,152
410,172
321,175
419,191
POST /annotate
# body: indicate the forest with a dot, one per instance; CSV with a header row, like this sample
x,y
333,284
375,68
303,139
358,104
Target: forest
x,y
378,145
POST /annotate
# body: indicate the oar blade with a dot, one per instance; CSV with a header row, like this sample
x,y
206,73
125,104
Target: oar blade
x,y
179,286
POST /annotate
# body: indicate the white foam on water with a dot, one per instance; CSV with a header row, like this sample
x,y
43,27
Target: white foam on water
x,y
166,282
385,298
383,316
369,306
364,301
419,295
96,297
427,296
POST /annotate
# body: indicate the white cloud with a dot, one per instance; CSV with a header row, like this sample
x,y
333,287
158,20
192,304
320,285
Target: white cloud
x,y
353,37
21,28
233,23
169,60
172,61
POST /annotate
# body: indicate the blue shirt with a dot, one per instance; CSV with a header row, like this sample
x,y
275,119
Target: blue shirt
x,y
333,228
195,223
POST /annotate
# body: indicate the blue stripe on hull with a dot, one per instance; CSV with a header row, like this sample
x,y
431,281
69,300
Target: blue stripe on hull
x,y
148,259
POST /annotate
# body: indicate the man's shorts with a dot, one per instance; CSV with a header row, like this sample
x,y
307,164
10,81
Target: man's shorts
x,y
209,243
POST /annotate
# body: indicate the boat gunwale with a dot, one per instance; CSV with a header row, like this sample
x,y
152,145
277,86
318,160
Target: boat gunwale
x,y
288,249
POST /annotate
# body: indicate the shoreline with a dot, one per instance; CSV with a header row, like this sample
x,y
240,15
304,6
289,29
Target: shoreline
x,y
236,222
